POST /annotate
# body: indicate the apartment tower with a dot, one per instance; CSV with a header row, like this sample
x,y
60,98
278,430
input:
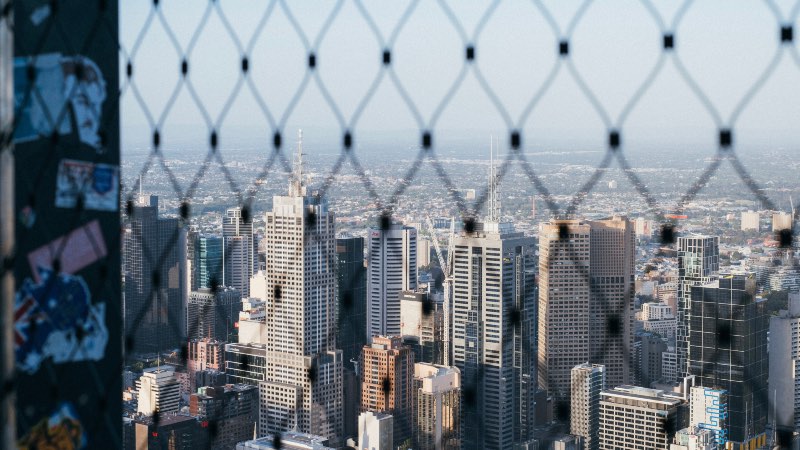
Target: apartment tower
x,y
387,377
588,380
698,263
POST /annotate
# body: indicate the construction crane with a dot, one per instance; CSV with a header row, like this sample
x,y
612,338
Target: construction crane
x,y
444,264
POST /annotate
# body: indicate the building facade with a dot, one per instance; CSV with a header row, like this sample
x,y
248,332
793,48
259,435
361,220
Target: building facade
x,y
728,351
213,313
238,250
155,270
588,380
586,288
422,326
208,257
158,390
493,333
387,380
698,263
301,386
634,418
391,268
784,365
437,407
233,409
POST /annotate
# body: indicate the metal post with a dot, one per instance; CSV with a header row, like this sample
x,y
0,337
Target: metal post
x,y
7,288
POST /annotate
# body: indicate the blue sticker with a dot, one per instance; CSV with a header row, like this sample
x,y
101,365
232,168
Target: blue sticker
x,y
56,319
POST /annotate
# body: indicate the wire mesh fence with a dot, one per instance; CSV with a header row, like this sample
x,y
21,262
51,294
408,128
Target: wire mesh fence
x,y
195,78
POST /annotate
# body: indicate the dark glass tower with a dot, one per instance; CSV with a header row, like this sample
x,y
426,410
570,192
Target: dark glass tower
x,y
351,324
208,261
154,317
728,350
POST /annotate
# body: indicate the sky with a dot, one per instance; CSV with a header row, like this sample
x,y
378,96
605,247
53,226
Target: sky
x,y
725,46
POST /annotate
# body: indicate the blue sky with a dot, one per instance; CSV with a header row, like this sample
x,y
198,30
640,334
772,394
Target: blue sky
x,y
724,44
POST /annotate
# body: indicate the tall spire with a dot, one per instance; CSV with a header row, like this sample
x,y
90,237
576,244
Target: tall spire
x,y
494,201
296,186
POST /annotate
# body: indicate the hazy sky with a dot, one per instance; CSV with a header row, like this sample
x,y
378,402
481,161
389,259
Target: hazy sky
x,y
724,44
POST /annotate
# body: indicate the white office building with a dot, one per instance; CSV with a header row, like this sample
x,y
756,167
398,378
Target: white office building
x,y
158,390
302,381
391,268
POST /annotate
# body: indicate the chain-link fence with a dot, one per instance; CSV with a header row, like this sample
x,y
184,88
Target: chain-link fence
x,y
210,94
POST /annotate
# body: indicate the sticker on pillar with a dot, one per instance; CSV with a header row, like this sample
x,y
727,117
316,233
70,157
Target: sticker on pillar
x,y
55,318
74,251
96,184
62,429
58,94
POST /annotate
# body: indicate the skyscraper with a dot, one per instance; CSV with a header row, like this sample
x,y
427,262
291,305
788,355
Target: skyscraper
x,y
387,375
563,303
437,407
588,380
351,322
154,311
586,287
493,330
784,365
208,257
302,384
391,268
351,289
728,350
239,251
213,313
698,262
422,326
612,264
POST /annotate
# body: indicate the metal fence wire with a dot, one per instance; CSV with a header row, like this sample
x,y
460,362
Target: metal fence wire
x,y
159,249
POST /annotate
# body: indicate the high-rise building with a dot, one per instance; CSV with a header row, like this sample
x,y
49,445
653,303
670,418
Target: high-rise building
x,y
213,313
669,363
437,407
708,409
633,418
493,329
564,297
208,256
391,268
750,220
588,380
728,350
781,221
238,251
586,288
651,351
422,326
784,366
155,269
158,390
233,409
375,431
302,380
387,380
205,354
351,322
351,289
698,263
